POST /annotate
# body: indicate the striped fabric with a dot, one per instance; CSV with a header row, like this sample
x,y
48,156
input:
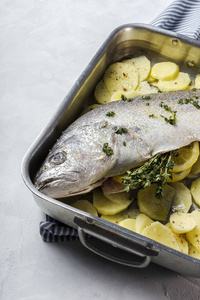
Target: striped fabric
x,y
181,17
54,231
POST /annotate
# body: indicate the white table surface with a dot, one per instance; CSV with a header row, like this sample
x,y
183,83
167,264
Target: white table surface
x,y
45,45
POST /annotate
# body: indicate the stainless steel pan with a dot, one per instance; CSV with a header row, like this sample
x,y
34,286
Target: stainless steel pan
x,y
109,240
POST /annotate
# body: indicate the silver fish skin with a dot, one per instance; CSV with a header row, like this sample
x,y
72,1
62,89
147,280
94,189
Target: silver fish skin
x,y
77,163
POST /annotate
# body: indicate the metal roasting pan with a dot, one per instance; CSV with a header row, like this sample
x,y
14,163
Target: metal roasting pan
x,y
109,240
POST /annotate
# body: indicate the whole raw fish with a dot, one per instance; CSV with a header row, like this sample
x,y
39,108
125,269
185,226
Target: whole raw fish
x,y
117,137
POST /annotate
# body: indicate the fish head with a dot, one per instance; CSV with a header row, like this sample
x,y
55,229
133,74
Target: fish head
x,y
73,167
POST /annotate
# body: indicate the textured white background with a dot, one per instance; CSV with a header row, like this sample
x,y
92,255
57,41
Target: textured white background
x,y
45,45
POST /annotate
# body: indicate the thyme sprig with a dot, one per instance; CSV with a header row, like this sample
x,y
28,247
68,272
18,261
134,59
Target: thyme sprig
x,y
189,100
172,119
156,170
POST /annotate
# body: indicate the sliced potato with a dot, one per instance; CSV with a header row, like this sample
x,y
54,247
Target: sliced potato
x,y
196,167
194,252
101,94
195,191
183,198
132,94
130,212
120,198
161,234
118,95
142,63
181,82
151,79
106,207
193,236
165,70
151,206
197,82
182,243
196,215
86,206
154,83
121,77
182,222
141,222
145,88
181,240
128,224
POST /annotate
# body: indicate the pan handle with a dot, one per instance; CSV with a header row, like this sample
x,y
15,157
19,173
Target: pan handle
x,y
137,264
140,252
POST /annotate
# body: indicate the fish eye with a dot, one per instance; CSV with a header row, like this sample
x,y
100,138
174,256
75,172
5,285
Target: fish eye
x,y
58,158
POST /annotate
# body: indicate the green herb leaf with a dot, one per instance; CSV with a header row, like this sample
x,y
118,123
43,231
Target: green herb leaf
x,y
124,98
110,114
152,116
108,150
145,97
121,130
191,101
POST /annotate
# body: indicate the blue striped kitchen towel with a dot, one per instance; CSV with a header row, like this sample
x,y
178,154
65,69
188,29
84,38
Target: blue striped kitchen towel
x,y
182,17
52,230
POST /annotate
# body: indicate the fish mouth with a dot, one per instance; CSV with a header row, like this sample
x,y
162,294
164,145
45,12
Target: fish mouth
x,y
56,187
61,188
44,181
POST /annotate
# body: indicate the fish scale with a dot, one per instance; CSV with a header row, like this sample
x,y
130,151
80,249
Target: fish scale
x,y
84,165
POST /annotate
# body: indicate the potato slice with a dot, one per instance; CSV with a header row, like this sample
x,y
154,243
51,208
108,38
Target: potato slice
x,y
130,213
196,167
119,198
182,222
101,94
118,95
132,94
121,77
106,207
193,236
145,88
183,198
165,70
181,240
195,191
182,243
194,252
86,206
128,224
143,65
141,222
151,206
196,215
197,82
151,79
181,82
161,234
